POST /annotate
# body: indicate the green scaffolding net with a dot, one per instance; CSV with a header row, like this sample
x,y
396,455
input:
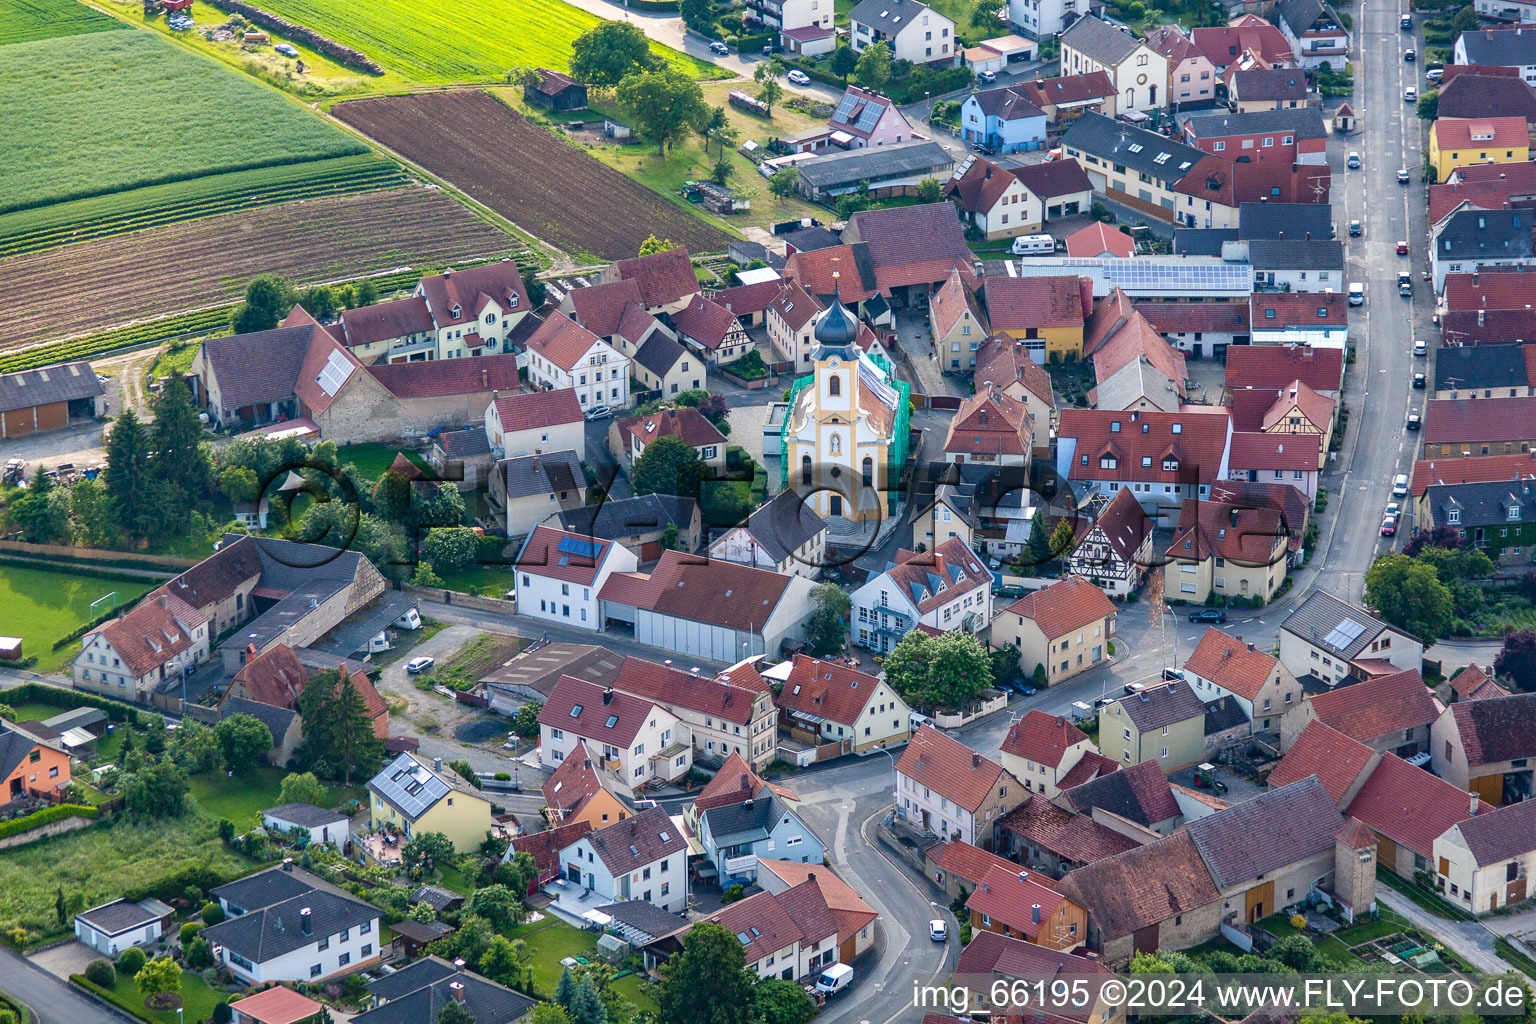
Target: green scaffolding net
x,y
901,429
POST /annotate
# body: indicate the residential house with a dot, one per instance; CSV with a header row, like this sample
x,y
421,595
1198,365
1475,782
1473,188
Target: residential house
x,y
1408,809
582,792
281,1005
791,322
827,702
527,489
419,991
1139,73
1497,517
110,928
642,857
947,588
463,457
716,611
1012,902
1455,142
723,717
1116,550
711,331
913,31
161,638
639,524
905,270
1324,636
1065,627
1254,89
1223,666
1230,551
1473,682
555,90
1482,371
1163,458
1192,77
789,15
1006,363
863,118
634,738
1046,313
734,782
958,324
1068,97
629,437
1487,860
1287,319
563,572
666,279
1317,35
1484,426
1132,166
1137,801
1003,120
563,354
1054,840
990,960
1429,472
1135,368
1242,40
541,421
602,308
1499,48
1487,746
412,797
1486,92
1042,19
320,825
1162,724
950,790
1291,409
855,919
48,399
284,924
1097,240
790,934
1286,136
1389,713
1041,750
1340,762
1257,457
1472,240
735,836
1321,369
452,315
990,428
663,366
784,535
886,170
1212,193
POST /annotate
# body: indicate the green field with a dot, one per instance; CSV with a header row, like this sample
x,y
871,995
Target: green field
x,y
24,20
470,41
243,798
42,605
129,109
373,460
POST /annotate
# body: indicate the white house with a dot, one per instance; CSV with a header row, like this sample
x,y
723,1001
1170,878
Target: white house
x,y
948,588
564,354
633,738
547,421
112,927
950,790
559,575
451,315
785,535
1041,19
1139,73
130,656
1324,635
828,702
721,716
913,31
643,857
322,825
287,925
1507,47
791,933
789,15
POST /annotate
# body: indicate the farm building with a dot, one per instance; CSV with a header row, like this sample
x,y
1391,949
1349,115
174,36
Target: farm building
x,y
889,170
555,91
49,399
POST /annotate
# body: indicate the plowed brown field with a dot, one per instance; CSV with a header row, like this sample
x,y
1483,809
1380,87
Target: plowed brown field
x,y
535,179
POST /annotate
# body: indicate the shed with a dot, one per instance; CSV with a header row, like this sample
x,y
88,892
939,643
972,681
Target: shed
x,y
49,398
10,648
323,826
612,947
1344,119
113,927
412,936
554,90
276,1005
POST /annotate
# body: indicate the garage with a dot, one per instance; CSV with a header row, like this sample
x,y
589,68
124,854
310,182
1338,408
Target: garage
x,y
51,398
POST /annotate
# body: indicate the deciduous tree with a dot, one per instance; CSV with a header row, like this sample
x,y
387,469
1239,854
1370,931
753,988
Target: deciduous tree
x,y
698,15
497,904
930,191
609,52
267,300
157,790
708,982
1410,595
452,548
40,518
873,68
777,1001
93,525
303,788
844,61
159,975
243,741
652,245
669,465
1517,659
784,182
828,625
663,104
938,671
427,850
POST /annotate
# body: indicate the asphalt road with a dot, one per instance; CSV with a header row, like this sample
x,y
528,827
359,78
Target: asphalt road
x,y
52,1000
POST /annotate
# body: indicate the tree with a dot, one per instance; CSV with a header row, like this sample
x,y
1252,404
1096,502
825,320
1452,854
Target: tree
x,y
453,1011
526,722
244,742
668,538
1447,537
1064,537
652,245
784,182
239,484
844,61
497,904
536,289
212,912
938,671
777,1001
722,171
714,126
708,982
1037,554
159,975
606,54
698,15
321,302
427,850
549,1013
565,989
1409,594
303,788
828,625
127,476
1466,20
182,462
197,748
1429,105
41,519
93,524
768,75
267,300
197,953
873,68
338,730
930,191
365,293
669,465
1517,659
465,771
519,873
499,961
586,1005
101,972
455,547
662,104
156,790
1004,662
131,960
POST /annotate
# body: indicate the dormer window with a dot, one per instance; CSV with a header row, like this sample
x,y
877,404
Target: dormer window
x,y
1514,512
1170,465
1109,462
457,311
1453,516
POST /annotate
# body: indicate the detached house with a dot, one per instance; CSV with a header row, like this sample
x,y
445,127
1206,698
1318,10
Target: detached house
x,y
563,354
725,717
1138,72
785,536
1317,36
1228,550
712,331
634,738
666,279
913,31
580,792
1221,666
990,428
1162,724
642,857
1003,119
788,933
628,438
1488,746
524,491
735,836
1041,750
129,657
855,918
1388,713
1116,551
284,924
1324,637
413,798
543,421
947,588
31,765
958,323
827,702
1065,627
559,575
863,118
950,790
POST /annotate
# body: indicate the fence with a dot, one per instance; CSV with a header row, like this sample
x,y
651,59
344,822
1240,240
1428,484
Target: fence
x,y
458,600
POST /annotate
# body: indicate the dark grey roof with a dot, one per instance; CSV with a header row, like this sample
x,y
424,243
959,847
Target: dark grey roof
x,y
276,719
541,474
1316,618
1501,834
523,330
812,238
1136,148
1508,48
1223,714
1163,704
636,841
617,518
888,15
659,353
746,822
1140,793
1296,254
1470,367
1100,40
874,162
645,917
65,382
1202,241
265,888
1485,234
784,524
1269,84
422,990
1251,839
270,932
1303,122
253,369
121,915
1300,15
1284,220
304,815
15,744
464,444
1484,503
436,897
77,718
353,633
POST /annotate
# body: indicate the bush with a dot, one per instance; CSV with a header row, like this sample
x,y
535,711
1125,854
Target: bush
x,y
189,931
131,960
102,973
212,912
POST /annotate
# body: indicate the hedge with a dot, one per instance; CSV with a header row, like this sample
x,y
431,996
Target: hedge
x,y
79,567
46,816
59,697
309,37
172,887
652,5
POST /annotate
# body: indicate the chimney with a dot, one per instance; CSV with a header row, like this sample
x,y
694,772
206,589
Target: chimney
x,y
437,764
810,876
975,759
458,964
485,378
1475,798
456,989
1023,876
668,663
304,920
747,803
288,864
1250,647
989,173
494,395
586,763
607,695
1034,913
250,649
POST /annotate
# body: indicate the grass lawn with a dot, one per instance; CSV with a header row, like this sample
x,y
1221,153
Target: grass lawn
x,y
493,580
175,360
100,863
1339,953
42,605
373,460
25,20
243,798
197,1000
1386,924
553,940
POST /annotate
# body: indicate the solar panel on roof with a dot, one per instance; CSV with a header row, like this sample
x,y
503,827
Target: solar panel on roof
x,y
1344,634
868,117
845,107
577,546
335,373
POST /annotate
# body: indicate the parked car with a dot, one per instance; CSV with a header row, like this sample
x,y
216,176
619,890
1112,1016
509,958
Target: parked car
x,y
834,979
1420,381
1420,347
1406,22
597,412
1394,509
416,666
798,77
1356,229
1409,56
1172,674
1435,74
286,50
718,47
938,931
1400,486
1402,248
1414,421
987,76
1104,702
1209,615
1388,527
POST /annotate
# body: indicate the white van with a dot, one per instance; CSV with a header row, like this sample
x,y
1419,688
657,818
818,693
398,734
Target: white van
x,y
918,721
1033,245
834,979
1356,293
1081,712
1400,486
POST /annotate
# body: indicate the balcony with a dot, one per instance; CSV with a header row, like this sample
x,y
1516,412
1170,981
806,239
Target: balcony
x,y
409,348
740,865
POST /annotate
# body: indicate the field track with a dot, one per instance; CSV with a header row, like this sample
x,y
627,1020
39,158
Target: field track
x,y
206,262
540,182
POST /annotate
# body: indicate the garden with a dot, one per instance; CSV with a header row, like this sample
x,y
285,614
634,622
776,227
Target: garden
x,y
42,606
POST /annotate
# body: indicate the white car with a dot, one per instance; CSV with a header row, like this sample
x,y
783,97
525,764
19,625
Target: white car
x,y
1410,94
597,412
798,77
1435,74
938,931
416,666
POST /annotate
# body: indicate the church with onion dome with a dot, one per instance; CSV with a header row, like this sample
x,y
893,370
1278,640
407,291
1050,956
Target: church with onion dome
x,y
845,435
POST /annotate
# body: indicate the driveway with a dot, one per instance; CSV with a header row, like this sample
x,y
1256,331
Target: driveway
x,y
429,712
52,1000
62,961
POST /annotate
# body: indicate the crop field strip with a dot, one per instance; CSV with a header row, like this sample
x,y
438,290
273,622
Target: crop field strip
x,y
85,220
464,41
207,262
22,21
540,182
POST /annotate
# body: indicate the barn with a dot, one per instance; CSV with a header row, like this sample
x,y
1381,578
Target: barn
x,y
49,399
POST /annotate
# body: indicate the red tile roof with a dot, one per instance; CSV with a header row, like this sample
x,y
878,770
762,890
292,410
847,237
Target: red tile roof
x,y
1042,738
441,377
1057,178
1377,707
1098,240
663,277
904,235
1497,729
279,1005
153,632
1494,327
794,305
989,953
562,555
1410,806
1008,894
967,862
952,301
277,677
1073,837
1336,759
1213,179
1513,290
990,423
733,783
1144,886
1466,469
1224,44
544,847
1124,523
538,409
826,689
1064,606
1471,421
600,307
981,186
1485,195
849,910
469,289
951,769
687,423
1231,664
1139,792
1003,360
1116,334
705,321
913,574
1476,683
1257,450
384,321
1502,833
814,271
1199,443
1276,365
673,686
571,784
745,299
1068,89
1189,317
688,587
1016,303
1290,309
562,341
1476,132
593,706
